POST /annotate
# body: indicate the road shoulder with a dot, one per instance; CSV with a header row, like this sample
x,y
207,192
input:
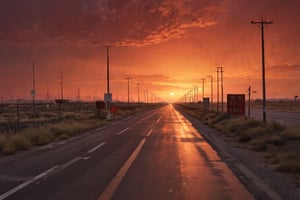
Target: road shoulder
x,y
260,180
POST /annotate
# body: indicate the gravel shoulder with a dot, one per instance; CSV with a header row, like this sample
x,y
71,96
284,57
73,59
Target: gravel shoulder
x,y
259,178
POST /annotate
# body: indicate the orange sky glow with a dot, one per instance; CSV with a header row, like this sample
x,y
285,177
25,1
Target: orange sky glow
x,y
166,46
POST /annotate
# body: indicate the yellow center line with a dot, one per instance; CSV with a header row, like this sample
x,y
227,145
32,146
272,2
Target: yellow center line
x,y
113,185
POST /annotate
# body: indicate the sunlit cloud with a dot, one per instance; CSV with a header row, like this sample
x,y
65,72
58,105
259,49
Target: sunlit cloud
x,y
115,22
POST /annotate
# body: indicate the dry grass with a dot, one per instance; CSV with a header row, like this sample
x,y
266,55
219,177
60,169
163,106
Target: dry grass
x,y
284,161
73,123
39,136
291,133
289,162
2,141
261,143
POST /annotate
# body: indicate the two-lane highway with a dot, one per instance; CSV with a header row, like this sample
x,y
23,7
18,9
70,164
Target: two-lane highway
x,y
153,155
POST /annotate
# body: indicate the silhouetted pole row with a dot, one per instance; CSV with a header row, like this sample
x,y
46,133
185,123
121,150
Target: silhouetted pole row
x,y
262,24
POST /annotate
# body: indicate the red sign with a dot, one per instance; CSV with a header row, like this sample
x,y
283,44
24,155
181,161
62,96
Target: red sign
x,y
114,109
236,104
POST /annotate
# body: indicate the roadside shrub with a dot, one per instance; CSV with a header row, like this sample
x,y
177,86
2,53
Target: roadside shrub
x,y
59,129
289,162
208,117
251,133
38,136
220,127
291,133
275,127
242,124
220,117
261,143
2,141
8,147
21,142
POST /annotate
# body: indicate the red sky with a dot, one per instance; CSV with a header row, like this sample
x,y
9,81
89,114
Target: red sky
x,y
166,45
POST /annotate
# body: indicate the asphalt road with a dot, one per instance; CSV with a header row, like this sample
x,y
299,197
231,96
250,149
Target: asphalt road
x,y
153,155
283,117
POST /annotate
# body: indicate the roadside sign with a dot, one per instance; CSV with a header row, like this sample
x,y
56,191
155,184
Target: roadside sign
x,y
236,104
206,103
107,97
32,93
114,109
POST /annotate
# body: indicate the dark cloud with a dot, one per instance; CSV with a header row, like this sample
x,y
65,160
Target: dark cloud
x,y
284,71
121,22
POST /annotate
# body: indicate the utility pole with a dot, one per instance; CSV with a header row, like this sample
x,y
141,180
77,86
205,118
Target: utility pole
x,y
48,95
107,68
222,89
262,24
107,79
211,91
249,98
195,94
108,95
147,96
217,90
33,94
203,79
128,78
220,78
138,84
78,95
218,87
61,87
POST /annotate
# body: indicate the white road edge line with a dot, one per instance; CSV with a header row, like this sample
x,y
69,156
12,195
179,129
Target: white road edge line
x,y
71,162
159,118
113,185
124,130
96,147
149,132
23,185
